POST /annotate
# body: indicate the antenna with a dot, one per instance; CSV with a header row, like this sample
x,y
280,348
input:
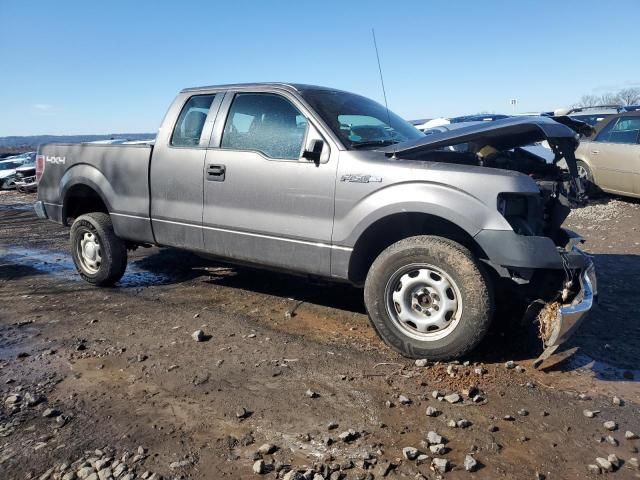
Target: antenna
x,y
384,93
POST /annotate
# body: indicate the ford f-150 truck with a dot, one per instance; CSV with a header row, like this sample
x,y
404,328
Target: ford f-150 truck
x,y
329,184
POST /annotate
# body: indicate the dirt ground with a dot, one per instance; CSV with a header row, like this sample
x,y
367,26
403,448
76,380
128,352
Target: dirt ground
x,y
111,379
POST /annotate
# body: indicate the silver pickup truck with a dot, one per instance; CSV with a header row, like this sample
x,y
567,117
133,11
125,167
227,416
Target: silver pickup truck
x,y
325,183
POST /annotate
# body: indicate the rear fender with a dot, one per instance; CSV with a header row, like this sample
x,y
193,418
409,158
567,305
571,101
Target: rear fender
x,y
84,174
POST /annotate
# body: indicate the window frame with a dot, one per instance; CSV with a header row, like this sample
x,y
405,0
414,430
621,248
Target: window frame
x,y
207,128
609,127
218,134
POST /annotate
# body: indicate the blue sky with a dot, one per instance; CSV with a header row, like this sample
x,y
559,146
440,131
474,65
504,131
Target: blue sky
x,y
72,67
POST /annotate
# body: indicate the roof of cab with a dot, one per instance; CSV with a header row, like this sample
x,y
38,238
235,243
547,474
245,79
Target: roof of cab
x,y
287,86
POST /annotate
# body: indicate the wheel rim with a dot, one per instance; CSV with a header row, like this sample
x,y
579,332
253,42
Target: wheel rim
x,y
89,252
423,301
582,173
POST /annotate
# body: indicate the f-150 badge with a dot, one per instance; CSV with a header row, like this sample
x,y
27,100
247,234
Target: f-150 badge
x,y
360,178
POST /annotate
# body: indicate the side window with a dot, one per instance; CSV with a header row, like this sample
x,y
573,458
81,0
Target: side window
x,y
604,134
624,130
267,123
191,121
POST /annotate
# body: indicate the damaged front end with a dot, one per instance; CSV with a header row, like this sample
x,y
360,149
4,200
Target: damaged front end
x,y
558,318
538,261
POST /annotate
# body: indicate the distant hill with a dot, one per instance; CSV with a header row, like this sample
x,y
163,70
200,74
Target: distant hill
x,y
23,144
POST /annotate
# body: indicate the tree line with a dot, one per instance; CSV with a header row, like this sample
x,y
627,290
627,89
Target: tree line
x,y
626,96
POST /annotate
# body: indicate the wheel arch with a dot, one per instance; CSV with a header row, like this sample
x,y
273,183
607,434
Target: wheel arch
x,y
84,189
394,227
82,196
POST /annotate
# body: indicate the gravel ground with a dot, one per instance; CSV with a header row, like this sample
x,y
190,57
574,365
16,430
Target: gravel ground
x,y
288,380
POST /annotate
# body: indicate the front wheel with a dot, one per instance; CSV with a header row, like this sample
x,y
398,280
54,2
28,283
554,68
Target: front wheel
x,y
8,183
98,254
427,297
585,174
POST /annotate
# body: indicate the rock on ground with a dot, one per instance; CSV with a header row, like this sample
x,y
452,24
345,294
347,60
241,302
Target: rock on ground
x,y
453,398
198,336
440,465
604,464
410,453
433,438
259,467
470,464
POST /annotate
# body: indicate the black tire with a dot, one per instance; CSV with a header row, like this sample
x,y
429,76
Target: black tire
x,y
112,250
473,287
590,187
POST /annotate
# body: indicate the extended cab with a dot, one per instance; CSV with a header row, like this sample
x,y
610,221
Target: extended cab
x,y
329,184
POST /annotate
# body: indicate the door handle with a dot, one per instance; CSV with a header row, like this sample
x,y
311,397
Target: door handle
x,y
595,152
216,173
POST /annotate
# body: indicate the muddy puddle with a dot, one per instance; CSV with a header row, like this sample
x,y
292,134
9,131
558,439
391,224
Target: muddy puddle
x,y
61,265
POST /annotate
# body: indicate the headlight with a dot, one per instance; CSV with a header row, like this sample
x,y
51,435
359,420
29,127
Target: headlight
x,y
515,209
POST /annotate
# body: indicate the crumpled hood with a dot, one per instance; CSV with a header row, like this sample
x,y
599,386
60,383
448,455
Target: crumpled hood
x,y
502,134
7,173
562,134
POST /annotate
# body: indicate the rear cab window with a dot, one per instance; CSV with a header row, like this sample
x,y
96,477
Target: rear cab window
x,y
188,128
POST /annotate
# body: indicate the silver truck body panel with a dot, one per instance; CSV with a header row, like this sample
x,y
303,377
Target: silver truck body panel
x,y
297,215
122,184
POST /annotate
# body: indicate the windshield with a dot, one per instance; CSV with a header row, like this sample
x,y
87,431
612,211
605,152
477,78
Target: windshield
x,y
358,121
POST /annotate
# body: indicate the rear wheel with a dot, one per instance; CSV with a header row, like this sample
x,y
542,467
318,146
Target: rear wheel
x,y
98,254
427,297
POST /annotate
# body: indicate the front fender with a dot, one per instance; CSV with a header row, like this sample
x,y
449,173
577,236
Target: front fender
x,y
459,207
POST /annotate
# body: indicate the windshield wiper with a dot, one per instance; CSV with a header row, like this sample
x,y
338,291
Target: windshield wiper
x,y
373,143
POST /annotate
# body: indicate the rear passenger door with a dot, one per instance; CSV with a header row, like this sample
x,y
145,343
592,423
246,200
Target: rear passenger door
x,y
615,154
264,202
176,172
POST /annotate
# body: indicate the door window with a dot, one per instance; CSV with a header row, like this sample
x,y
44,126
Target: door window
x,y
267,123
624,130
191,121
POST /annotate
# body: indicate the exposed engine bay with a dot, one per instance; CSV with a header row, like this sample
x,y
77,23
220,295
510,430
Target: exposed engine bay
x,y
559,189
512,148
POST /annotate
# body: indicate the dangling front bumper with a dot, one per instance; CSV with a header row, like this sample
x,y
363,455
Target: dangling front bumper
x,y
569,316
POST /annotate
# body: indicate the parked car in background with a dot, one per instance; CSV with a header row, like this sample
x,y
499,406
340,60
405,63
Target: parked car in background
x,y
429,124
25,179
8,168
479,117
591,115
8,174
610,158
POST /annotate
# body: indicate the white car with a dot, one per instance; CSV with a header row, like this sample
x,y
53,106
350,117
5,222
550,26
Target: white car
x,y
8,169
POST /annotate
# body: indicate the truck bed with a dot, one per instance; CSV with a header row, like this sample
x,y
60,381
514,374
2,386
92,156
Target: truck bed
x,y
121,172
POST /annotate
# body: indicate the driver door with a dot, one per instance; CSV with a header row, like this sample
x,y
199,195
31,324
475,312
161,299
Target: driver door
x,y
263,201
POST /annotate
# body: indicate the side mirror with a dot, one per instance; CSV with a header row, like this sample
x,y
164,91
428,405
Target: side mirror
x,y
315,153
